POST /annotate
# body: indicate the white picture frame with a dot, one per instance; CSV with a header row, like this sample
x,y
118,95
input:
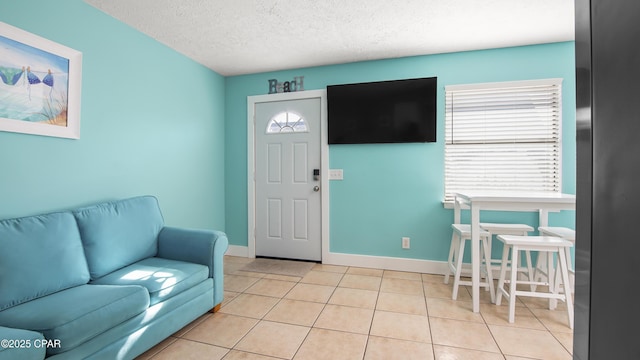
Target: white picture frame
x,y
40,85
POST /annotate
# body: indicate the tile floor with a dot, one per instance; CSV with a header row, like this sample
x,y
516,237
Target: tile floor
x,y
337,312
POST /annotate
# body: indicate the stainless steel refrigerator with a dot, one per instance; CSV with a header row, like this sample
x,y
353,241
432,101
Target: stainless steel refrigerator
x,y
607,322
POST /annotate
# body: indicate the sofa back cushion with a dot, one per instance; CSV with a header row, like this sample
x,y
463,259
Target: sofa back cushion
x,y
39,255
119,233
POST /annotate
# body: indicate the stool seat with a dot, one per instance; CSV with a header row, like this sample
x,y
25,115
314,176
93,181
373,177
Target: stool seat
x,y
534,241
548,244
506,229
562,232
465,230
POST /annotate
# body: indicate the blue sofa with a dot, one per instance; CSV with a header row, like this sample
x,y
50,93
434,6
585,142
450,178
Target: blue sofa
x,y
107,281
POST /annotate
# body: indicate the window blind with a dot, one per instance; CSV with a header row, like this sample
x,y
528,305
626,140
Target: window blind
x,y
503,136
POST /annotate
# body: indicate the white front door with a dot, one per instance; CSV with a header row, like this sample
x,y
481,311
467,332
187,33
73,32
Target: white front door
x,y
287,179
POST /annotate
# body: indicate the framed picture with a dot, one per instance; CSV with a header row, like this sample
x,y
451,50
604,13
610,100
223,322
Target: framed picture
x,y
40,84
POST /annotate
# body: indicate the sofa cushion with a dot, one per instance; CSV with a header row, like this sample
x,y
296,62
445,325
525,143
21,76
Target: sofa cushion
x,y
39,255
163,278
78,314
119,233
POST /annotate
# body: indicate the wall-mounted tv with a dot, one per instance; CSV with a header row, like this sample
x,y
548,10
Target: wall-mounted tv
x,y
397,111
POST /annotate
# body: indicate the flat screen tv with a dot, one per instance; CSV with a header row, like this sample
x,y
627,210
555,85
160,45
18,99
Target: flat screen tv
x,y
397,111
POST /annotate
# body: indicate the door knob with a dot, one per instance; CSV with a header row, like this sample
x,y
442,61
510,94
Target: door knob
x,y
316,188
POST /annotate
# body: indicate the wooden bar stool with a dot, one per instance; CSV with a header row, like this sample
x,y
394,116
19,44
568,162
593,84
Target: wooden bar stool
x,y
462,233
509,229
567,234
548,244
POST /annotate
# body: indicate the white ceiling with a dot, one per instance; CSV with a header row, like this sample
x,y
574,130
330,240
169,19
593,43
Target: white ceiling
x,y
234,37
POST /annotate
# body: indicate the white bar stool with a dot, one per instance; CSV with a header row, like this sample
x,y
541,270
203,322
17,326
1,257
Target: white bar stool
x,y
548,244
567,234
509,229
462,233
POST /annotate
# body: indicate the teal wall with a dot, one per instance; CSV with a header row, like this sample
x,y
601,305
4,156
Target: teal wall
x,y
152,122
395,190
155,122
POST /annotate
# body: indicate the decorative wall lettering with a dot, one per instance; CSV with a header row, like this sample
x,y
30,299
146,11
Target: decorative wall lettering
x,y
297,84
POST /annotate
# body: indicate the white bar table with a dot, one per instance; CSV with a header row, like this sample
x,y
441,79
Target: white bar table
x,y
504,201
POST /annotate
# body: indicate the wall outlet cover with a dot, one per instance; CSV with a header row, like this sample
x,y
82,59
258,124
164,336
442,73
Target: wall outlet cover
x,y
335,174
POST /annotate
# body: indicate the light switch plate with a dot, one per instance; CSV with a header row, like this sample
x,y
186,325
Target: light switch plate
x,y
335,174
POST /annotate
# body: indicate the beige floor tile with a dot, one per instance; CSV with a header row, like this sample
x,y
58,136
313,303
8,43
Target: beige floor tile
x,y
402,275
444,291
401,326
156,349
553,320
485,296
295,312
221,329
310,292
363,282
186,349
499,315
433,278
322,278
191,325
228,296
354,297
249,305
242,355
283,277
238,283
462,334
407,304
334,345
269,287
345,318
250,274
365,271
274,339
452,353
566,339
401,286
228,259
379,348
330,268
452,309
528,343
268,317
232,268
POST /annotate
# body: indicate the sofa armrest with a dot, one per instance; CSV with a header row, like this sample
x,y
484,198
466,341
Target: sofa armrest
x,y
206,247
21,344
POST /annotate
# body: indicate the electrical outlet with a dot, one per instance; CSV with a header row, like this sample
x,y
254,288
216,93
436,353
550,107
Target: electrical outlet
x,y
406,243
336,174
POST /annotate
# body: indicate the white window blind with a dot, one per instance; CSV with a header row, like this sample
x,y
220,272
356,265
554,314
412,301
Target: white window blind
x,y
503,136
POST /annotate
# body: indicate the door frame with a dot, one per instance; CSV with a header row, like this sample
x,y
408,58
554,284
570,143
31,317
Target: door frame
x,y
324,164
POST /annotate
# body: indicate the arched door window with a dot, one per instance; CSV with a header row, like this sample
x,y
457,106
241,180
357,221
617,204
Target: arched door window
x,y
286,122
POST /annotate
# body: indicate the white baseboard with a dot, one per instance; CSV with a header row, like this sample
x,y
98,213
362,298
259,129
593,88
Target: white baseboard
x,y
367,261
387,263
235,250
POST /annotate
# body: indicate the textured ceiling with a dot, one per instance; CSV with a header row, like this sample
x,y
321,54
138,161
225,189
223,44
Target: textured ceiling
x,y
234,37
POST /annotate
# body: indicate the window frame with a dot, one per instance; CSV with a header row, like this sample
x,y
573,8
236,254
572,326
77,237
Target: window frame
x,y
554,86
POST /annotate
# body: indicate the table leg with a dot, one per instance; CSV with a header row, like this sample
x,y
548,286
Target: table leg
x,y
475,257
543,217
456,211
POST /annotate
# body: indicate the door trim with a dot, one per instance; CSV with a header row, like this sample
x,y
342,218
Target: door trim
x,y
324,164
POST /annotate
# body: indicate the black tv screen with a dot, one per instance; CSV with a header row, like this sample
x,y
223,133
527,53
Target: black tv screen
x,y
396,111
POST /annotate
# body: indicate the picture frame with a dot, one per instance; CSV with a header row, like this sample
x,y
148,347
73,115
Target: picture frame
x,y
40,85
